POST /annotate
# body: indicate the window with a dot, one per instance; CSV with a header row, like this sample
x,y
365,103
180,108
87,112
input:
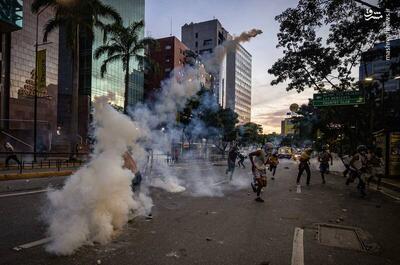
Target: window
x,y
196,44
197,35
168,47
207,42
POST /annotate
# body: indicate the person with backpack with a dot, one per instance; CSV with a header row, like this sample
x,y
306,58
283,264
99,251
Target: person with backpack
x,y
323,158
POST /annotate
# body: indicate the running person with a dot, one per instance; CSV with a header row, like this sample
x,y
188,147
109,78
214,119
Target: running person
x,y
232,155
273,163
304,165
258,161
241,160
358,167
323,158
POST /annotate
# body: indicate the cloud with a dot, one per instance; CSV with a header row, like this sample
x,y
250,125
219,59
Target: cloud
x,y
271,104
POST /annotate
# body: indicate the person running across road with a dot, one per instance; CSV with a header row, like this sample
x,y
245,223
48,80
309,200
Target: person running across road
x,y
323,158
305,165
241,160
346,162
375,166
273,163
232,155
12,156
358,167
259,161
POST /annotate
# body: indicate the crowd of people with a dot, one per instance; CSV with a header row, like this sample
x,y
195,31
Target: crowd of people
x,y
363,166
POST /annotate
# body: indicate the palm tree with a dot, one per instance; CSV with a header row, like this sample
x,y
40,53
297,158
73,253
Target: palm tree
x,y
75,17
123,44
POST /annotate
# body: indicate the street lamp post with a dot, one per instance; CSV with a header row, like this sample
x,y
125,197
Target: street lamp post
x,y
36,81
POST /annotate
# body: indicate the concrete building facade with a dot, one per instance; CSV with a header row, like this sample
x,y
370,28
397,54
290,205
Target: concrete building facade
x,y
202,38
232,79
238,85
167,55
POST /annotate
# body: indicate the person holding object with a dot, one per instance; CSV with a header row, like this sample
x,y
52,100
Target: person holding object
x,y
259,162
305,165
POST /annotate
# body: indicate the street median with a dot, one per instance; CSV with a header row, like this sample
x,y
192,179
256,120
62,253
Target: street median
x,y
31,175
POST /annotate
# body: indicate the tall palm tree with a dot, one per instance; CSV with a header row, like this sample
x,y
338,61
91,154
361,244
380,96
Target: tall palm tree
x,y
75,17
123,44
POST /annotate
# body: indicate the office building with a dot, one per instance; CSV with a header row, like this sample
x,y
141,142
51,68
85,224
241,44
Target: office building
x,y
238,85
232,80
167,56
374,63
18,38
202,38
287,127
91,84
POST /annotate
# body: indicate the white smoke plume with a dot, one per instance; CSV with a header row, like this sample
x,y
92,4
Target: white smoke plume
x,y
96,200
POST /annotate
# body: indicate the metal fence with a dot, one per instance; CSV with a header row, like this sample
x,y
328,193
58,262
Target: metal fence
x,y
43,161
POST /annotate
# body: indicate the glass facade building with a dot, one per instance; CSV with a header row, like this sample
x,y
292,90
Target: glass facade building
x,y
18,74
11,15
113,81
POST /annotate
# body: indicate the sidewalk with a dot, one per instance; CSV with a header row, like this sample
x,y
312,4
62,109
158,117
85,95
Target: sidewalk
x,y
36,173
393,184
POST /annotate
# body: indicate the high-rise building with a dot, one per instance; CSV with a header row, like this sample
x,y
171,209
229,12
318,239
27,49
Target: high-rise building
x,y
202,38
171,55
18,75
238,85
232,82
167,55
91,84
374,63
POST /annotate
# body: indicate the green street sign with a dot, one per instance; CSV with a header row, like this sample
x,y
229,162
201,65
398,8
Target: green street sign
x,y
338,98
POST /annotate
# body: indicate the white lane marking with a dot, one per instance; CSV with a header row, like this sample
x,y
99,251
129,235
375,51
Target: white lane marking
x,y
298,249
33,244
298,189
24,193
385,192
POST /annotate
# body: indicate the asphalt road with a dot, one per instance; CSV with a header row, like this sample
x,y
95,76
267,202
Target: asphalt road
x,y
224,225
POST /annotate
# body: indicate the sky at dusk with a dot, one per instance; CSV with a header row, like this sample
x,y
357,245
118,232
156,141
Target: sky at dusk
x,y
269,103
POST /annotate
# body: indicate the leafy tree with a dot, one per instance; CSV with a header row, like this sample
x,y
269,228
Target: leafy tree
x,y
76,17
311,60
123,44
250,133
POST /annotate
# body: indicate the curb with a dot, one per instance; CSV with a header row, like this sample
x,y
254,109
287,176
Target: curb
x,y
32,175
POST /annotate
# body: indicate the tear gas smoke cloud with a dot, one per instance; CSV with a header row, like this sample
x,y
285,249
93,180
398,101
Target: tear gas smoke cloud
x,y
95,201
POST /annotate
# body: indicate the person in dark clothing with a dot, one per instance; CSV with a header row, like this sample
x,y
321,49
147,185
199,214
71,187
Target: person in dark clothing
x,y
232,155
241,160
305,165
12,156
324,157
